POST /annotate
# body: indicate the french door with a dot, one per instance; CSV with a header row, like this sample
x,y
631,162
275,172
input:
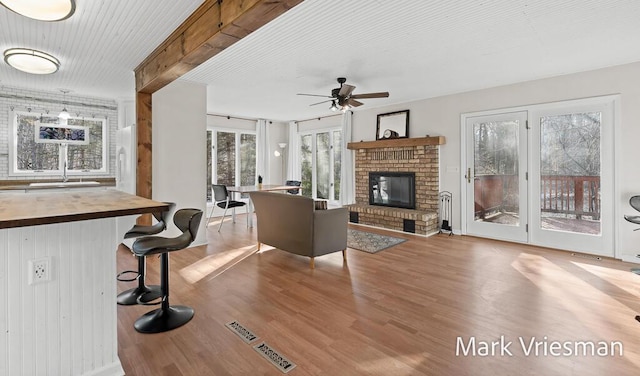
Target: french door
x,y
495,178
543,175
573,178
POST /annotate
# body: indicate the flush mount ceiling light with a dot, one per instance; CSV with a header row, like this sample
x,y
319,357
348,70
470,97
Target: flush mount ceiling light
x,y
31,61
51,10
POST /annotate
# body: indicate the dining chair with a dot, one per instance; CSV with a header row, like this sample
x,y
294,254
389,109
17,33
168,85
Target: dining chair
x,y
294,183
222,200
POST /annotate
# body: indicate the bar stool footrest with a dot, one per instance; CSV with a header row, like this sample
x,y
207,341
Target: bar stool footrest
x,y
120,276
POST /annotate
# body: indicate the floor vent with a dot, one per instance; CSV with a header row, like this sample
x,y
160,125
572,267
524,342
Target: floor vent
x,y
241,331
587,256
281,363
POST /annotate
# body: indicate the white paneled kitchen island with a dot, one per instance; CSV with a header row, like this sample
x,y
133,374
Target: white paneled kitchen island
x,y
62,321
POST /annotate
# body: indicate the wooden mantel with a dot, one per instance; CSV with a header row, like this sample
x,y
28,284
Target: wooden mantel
x,y
397,142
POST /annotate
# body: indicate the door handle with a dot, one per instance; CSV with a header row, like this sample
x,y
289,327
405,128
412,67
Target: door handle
x,y
469,175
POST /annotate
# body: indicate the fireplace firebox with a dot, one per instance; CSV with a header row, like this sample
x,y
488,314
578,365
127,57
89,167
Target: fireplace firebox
x,y
395,189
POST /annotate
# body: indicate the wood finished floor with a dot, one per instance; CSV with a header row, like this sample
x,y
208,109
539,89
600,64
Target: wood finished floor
x,y
397,312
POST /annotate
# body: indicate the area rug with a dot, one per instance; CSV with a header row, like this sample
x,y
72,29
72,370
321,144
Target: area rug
x,y
370,242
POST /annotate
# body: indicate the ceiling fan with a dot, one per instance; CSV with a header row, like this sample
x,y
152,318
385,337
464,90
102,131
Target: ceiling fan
x,y
342,98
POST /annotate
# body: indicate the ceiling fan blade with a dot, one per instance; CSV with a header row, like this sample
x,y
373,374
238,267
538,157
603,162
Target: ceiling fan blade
x,y
321,102
354,103
384,94
315,95
346,90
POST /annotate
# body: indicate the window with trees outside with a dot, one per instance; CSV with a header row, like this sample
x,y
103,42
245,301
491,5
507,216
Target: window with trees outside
x,y
231,159
320,157
30,157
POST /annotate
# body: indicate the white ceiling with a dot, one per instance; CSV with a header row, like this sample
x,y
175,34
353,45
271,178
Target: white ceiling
x,y
413,49
98,47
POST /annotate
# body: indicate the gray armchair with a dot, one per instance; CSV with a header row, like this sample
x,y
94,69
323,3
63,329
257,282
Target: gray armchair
x,y
291,223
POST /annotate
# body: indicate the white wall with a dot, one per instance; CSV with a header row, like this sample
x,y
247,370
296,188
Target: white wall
x,y
179,148
441,117
321,123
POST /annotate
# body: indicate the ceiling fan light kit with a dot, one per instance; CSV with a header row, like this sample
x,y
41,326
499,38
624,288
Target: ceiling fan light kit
x,y
342,98
50,10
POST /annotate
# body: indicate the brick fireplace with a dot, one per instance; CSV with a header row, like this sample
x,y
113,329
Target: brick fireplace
x,y
413,155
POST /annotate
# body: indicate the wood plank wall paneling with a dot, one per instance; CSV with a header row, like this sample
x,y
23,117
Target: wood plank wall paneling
x,y
66,326
144,147
144,171
211,28
4,296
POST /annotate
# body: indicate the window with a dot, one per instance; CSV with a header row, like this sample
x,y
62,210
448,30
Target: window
x,y
232,158
29,157
320,158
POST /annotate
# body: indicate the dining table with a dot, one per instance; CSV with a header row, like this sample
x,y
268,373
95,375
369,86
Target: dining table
x,y
255,188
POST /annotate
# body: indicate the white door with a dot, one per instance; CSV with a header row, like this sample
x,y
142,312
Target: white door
x,y
543,175
572,170
496,165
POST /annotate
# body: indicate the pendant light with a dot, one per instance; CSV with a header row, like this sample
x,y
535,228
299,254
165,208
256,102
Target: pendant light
x,y
64,114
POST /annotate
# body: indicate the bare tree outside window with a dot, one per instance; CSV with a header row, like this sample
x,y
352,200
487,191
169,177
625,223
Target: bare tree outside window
x,y
32,156
321,159
87,157
337,162
226,158
570,159
228,147
247,159
570,144
306,165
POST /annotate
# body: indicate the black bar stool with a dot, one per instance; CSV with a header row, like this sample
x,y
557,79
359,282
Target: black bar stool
x,y
634,201
142,292
167,317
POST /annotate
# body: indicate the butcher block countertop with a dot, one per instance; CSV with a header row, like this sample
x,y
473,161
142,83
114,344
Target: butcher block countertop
x,y
22,209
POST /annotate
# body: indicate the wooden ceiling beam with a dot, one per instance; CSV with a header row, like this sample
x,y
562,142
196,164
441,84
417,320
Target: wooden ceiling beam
x,y
214,26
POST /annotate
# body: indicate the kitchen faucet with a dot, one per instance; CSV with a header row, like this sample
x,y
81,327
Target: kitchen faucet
x,y
63,154
64,172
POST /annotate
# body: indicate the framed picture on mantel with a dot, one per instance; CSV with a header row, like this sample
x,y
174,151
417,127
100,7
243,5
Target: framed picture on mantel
x,y
393,125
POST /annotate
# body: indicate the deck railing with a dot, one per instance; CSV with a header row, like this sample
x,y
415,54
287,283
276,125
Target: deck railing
x,y
564,194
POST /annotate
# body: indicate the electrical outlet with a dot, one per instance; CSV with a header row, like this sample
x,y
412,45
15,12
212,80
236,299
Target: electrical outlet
x,y
39,270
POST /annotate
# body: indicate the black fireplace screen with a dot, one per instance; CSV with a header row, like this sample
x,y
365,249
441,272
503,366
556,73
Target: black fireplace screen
x,y
395,189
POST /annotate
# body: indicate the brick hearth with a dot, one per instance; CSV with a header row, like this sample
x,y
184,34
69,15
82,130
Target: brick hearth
x,y
402,155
